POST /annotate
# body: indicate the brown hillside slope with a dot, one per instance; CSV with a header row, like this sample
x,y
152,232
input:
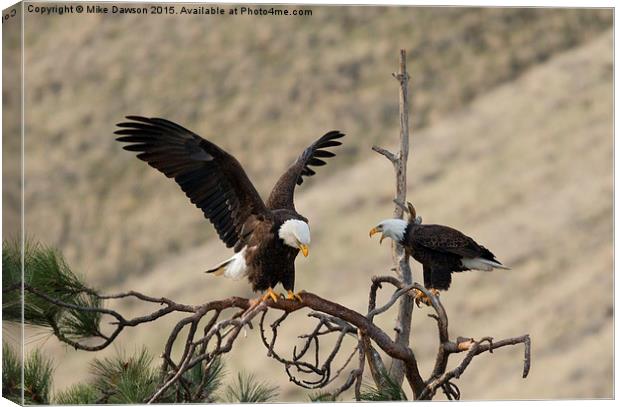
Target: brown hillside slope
x,y
268,85
526,170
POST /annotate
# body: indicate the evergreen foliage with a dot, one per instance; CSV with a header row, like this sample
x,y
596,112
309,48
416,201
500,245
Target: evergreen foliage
x,y
125,380
388,391
248,389
46,271
120,379
11,374
322,397
37,377
203,383
81,393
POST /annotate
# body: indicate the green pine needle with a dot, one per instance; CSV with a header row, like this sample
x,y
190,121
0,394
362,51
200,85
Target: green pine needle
x,y
125,379
389,391
81,393
11,276
11,375
248,389
37,377
214,378
320,397
46,271
193,380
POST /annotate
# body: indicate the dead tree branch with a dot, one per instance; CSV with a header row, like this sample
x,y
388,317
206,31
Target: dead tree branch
x,y
308,365
399,162
439,377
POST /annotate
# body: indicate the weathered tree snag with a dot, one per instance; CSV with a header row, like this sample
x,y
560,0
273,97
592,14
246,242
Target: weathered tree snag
x,y
399,161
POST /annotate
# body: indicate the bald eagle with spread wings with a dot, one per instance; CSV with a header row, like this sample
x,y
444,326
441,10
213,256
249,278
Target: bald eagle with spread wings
x,y
266,236
440,249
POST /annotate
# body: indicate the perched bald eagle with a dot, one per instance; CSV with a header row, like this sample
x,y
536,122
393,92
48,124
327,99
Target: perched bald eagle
x,y
440,249
266,236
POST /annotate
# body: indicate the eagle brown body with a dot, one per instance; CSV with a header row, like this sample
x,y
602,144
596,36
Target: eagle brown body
x,y
266,236
441,251
269,260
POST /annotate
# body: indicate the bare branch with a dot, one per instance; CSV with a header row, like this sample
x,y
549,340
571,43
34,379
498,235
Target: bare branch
x,y
218,337
475,348
387,154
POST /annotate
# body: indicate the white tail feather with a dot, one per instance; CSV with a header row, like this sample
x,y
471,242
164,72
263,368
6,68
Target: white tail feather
x,y
234,267
479,263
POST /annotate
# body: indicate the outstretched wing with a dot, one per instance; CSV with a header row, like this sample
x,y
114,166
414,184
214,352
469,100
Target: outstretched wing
x,y
210,177
282,194
447,240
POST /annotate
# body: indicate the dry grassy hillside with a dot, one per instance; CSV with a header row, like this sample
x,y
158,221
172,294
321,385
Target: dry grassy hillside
x,y
11,117
513,145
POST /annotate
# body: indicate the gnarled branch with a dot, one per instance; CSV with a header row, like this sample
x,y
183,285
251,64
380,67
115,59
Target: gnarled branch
x,y
218,337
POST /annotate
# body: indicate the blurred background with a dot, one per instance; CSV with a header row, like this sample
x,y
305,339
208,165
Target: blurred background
x,y
511,143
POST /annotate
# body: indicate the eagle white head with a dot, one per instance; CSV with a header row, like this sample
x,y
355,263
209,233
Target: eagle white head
x,y
296,233
393,228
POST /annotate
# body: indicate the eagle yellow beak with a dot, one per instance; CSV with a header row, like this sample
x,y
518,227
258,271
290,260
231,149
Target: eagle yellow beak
x,y
304,249
376,230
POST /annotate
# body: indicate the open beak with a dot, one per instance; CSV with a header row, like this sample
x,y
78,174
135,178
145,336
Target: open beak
x,y
373,231
376,230
304,249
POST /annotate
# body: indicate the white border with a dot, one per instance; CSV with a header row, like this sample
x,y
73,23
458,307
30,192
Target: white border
x,y
480,3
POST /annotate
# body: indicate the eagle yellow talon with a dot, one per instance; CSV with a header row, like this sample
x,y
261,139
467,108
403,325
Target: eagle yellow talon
x,y
421,297
292,296
270,294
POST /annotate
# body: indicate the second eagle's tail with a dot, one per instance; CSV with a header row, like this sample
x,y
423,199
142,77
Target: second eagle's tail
x,y
483,264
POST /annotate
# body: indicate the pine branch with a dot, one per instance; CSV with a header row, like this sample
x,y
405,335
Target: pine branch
x,y
47,274
11,375
247,389
81,393
37,377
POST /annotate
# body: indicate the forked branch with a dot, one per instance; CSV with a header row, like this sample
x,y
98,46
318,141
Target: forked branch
x,y
308,365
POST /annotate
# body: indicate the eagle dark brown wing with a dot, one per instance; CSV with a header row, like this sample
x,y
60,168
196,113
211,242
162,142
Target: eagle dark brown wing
x,y
447,240
281,196
210,177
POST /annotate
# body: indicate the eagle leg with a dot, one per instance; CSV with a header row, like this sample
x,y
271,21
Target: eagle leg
x,y
270,294
292,296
